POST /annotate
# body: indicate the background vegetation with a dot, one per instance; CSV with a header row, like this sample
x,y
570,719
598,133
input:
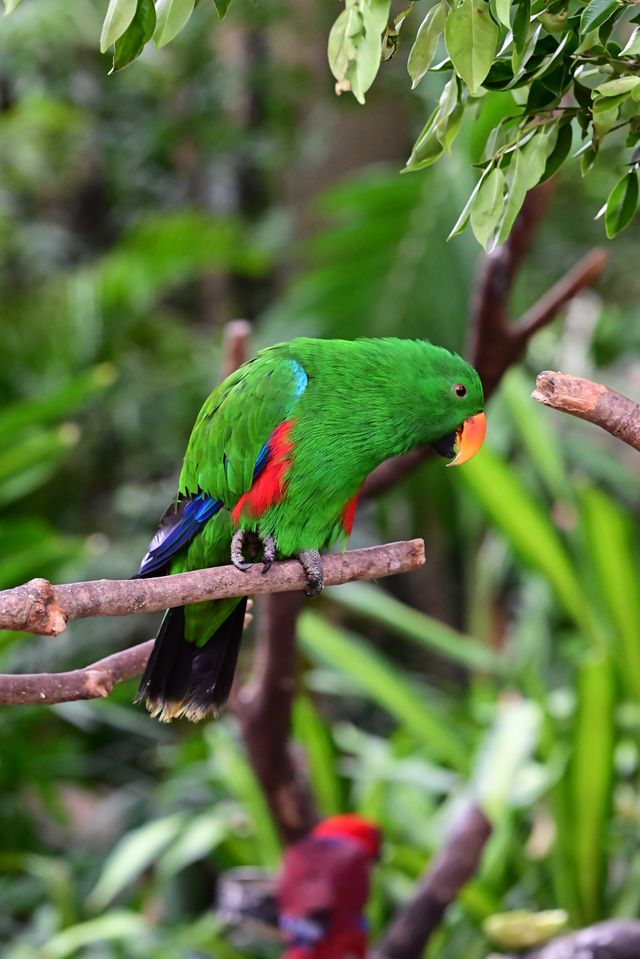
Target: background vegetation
x,y
219,177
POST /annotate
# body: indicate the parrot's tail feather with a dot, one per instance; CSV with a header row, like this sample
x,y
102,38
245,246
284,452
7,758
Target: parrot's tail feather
x,y
214,666
182,679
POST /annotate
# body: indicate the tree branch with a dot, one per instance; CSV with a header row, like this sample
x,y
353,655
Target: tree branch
x,y
611,411
39,607
263,707
613,939
452,868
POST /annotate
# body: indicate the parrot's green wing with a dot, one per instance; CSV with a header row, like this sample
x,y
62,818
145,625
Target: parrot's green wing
x,y
229,444
228,449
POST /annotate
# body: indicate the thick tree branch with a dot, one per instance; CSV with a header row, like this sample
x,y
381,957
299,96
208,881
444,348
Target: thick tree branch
x,y
614,939
263,707
611,411
452,868
495,343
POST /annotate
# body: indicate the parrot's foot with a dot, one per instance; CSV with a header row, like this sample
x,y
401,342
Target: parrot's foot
x,y
244,540
269,548
311,562
238,543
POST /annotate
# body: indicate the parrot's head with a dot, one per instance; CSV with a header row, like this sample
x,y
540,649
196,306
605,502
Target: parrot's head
x,y
454,404
353,828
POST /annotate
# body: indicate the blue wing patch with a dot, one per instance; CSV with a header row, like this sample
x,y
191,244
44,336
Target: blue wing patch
x,y
182,520
186,517
179,524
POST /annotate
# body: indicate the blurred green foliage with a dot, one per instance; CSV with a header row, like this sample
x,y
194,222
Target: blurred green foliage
x,y
137,214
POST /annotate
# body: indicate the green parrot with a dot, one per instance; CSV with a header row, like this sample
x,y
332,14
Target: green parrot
x,y
276,459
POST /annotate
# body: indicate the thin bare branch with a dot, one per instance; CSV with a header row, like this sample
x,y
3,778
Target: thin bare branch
x,y
91,682
611,411
455,864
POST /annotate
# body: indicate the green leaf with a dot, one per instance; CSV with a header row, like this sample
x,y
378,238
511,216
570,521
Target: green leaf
x,y
341,48
119,15
471,37
386,684
522,25
462,220
612,88
591,778
114,926
487,208
604,120
621,204
450,112
362,72
607,104
427,147
222,6
524,172
134,853
632,46
559,153
200,836
527,526
609,538
504,755
503,10
10,5
375,604
423,50
596,13
171,16
534,434
131,44
314,734
355,45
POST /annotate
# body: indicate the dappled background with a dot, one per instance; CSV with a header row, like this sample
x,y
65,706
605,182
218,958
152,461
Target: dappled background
x,y
221,178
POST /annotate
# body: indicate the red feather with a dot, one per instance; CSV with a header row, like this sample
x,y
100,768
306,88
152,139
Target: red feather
x,y
348,514
270,485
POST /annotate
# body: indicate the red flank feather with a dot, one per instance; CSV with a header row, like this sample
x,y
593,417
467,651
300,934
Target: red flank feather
x,y
348,514
269,487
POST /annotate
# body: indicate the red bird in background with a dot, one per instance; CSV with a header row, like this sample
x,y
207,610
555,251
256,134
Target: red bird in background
x,y
323,889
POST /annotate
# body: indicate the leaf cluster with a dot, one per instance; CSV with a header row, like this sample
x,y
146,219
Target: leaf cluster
x,y
566,72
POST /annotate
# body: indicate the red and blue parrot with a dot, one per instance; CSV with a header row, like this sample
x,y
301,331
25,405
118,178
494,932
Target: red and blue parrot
x,y
323,889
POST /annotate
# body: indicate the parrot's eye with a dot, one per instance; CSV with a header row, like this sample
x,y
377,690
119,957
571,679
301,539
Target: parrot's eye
x,y
460,390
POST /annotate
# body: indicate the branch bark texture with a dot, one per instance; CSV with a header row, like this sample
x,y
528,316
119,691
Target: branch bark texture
x,y
456,863
42,608
39,607
611,411
613,939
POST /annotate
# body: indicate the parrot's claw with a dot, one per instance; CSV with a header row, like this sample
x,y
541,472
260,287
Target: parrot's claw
x,y
243,540
268,553
237,551
311,562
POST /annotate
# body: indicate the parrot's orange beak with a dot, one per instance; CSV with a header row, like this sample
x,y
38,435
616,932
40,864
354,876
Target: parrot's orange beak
x,y
469,439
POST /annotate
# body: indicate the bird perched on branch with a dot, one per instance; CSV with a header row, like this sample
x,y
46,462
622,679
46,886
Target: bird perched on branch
x,y
323,889
273,468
